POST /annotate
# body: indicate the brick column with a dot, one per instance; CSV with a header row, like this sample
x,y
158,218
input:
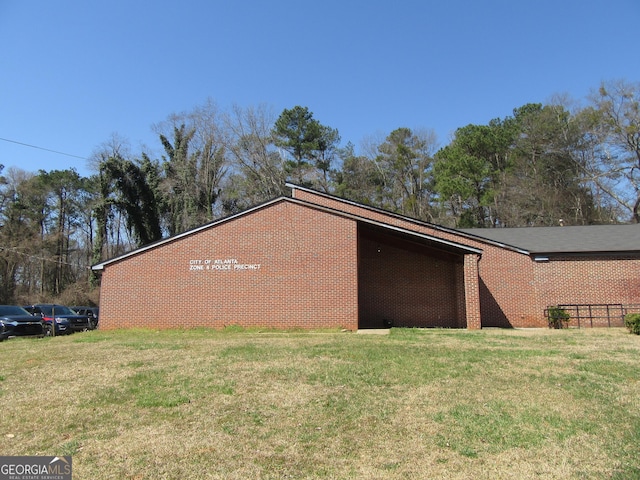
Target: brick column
x,y
472,291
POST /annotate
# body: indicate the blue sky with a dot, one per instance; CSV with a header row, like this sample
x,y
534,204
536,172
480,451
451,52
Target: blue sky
x,y
75,72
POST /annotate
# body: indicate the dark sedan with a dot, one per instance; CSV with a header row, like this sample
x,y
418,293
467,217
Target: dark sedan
x,y
67,321
17,322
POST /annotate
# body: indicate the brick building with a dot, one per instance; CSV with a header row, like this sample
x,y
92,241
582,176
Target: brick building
x,y
313,260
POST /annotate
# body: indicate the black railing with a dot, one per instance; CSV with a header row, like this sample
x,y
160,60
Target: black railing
x,y
596,315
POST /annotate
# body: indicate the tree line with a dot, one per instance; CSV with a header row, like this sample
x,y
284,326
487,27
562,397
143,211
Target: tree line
x,y
546,164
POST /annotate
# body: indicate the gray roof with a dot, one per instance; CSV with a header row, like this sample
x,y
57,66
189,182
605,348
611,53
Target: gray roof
x,y
579,239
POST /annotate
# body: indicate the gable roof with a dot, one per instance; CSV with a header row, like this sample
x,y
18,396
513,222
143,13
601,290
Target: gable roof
x,y
447,244
594,239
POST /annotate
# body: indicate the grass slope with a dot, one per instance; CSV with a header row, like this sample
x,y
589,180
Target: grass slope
x,y
200,404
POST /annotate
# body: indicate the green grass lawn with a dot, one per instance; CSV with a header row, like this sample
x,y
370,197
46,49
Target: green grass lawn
x,y
454,404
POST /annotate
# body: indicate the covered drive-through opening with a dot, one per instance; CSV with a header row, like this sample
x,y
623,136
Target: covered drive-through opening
x,y
410,280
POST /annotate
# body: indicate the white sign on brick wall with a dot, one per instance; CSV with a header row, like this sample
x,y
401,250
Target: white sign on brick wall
x,y
221,265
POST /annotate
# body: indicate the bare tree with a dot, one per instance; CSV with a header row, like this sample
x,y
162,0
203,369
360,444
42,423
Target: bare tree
x,y
258,171
616,106
195,165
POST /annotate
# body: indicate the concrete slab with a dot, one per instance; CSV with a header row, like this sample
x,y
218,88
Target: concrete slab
x,y
375,331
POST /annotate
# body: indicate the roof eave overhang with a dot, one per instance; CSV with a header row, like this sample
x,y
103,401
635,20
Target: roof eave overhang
x,y
387,226
461,248
604,253
451,231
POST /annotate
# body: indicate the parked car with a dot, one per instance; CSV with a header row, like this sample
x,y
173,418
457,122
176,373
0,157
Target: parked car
x,y
17,322
66,320
91,312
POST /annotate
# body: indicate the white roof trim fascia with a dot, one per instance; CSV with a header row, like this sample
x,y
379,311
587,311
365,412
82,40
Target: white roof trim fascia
x,y
495,243
451,231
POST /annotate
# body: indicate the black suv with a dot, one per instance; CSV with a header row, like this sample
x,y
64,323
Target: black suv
x,y
91,312
63,315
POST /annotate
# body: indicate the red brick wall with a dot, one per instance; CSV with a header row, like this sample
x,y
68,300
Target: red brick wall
x,y
603,280
506,293
508,296
409,286
472,292
515,290
461,297
307,275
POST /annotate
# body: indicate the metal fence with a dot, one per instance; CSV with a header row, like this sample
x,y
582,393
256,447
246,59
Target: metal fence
x,y
596,315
